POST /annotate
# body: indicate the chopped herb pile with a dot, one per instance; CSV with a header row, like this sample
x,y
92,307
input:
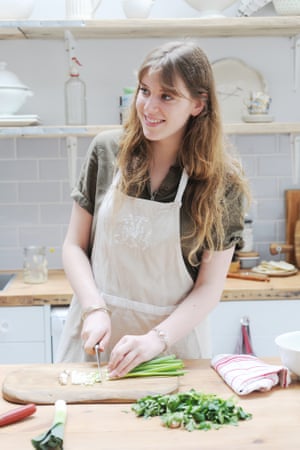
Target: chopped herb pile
x,y
191,410
167,366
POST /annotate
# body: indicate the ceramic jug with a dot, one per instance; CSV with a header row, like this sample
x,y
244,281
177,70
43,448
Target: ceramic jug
x,y
81,9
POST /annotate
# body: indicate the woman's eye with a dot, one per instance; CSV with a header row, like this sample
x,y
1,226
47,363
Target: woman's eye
x,y
166,97
144,91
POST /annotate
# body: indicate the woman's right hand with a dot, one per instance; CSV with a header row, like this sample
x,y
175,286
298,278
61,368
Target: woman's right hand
x,y
96,329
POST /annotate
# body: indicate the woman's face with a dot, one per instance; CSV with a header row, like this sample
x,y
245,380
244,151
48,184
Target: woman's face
x,y
164,116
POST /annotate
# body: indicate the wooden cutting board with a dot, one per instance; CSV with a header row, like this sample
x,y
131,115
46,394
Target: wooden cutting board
x,y
39,383
292,210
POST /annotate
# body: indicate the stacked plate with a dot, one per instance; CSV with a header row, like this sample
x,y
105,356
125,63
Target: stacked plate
x,y
15,120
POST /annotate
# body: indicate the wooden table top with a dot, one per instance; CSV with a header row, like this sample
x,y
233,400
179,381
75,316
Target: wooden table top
x,y
57,290
274,426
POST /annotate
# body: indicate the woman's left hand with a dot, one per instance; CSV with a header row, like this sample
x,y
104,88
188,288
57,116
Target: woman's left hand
x,y
131,351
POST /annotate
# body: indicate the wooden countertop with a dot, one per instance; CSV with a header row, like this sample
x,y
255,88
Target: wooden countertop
x,y
57,290
274,426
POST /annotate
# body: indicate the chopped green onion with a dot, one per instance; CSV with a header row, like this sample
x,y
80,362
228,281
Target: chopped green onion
x,y
168,366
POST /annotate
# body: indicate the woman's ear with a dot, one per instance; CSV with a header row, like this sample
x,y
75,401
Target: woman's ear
x,y
200,104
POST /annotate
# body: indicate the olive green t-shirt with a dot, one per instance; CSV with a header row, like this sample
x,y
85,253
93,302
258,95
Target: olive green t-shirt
x,y
96,176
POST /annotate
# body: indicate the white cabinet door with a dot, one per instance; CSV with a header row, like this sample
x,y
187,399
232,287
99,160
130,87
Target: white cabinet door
x,y
267,320
25,334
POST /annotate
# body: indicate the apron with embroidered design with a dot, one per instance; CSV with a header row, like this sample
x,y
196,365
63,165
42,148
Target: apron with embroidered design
x,y
139,269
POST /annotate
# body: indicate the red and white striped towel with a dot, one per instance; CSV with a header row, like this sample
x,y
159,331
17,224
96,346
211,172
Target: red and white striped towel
x,y
247,373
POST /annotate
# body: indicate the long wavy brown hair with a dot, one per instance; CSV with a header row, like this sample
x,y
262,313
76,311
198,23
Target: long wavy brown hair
x,y
203,152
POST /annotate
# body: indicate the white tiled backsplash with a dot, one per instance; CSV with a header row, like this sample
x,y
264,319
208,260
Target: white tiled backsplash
x,y
35,192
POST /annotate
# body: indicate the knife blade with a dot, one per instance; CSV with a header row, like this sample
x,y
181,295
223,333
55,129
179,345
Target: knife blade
x,y
97,350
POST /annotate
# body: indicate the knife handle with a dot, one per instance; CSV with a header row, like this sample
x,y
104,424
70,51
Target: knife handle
x,y
17,414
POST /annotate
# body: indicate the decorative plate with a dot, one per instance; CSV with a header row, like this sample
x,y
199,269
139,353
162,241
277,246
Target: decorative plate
x,y
235,80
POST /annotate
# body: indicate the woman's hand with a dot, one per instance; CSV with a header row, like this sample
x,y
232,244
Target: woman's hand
x,y
96,330
131,351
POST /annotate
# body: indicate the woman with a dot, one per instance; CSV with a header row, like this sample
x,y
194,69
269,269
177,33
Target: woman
x,y
150,240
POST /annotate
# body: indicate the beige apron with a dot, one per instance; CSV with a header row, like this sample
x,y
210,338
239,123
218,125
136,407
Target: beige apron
x,y
139,269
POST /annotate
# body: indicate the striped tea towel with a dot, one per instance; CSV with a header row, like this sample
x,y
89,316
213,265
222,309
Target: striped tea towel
x,y
247,373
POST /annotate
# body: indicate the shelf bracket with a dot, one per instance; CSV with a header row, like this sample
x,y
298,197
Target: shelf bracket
x,y
296,60
70,46
72,146
295,157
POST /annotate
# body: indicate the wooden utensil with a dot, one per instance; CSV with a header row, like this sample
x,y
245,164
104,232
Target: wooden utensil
x,y
39,384
291,248
248,276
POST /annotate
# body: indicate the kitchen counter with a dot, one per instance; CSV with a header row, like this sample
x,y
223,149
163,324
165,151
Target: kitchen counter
x,y
274,426
57,290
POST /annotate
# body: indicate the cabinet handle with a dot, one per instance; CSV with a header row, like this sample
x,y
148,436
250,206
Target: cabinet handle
x,y
4,327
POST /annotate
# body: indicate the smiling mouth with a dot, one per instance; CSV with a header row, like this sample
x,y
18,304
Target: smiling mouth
x,y
152,122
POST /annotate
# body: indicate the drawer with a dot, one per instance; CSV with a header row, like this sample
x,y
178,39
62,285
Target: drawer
x,y
22,323
23,353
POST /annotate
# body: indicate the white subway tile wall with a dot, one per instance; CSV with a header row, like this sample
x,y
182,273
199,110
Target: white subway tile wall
x,y
35,199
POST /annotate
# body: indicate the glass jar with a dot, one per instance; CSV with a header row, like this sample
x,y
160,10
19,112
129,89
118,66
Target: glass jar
x,y
35,265
248,235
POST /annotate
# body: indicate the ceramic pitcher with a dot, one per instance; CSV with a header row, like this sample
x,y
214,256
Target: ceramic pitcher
x,y
81,9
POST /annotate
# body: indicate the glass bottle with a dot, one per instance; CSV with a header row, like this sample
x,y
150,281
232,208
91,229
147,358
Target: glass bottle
x,y
75,97
248,235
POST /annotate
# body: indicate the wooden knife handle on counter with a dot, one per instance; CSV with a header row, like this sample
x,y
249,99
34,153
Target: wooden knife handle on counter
x,y
248,276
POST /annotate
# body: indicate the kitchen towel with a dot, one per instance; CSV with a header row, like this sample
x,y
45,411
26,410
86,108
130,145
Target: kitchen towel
x,y
247,373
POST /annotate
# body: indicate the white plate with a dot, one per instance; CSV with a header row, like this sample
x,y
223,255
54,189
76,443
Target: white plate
x,y
235,80
19,120
258,118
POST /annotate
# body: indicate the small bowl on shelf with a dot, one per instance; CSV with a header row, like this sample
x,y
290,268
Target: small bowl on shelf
x,y
289,350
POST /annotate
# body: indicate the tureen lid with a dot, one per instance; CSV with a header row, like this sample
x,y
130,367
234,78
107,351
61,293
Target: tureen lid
x,y
9,79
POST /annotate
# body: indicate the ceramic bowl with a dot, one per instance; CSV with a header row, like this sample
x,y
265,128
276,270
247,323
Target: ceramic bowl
x,y
287,7
16,9
210,8
137,9
13,93
289,350
12,100
248,262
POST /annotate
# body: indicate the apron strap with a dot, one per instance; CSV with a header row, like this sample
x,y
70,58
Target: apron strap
x,y
182,185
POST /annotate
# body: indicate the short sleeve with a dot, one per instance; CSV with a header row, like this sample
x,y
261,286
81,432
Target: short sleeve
x,y
97,171
234,223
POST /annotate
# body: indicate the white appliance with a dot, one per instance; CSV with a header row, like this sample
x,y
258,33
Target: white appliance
x,y
58,319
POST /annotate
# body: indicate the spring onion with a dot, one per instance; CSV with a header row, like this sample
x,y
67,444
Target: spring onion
x,y
168,366
53,438
191,410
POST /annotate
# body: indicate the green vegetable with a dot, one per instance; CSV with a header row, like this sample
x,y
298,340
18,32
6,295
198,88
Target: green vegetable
x,y
161,366
53,438
191,410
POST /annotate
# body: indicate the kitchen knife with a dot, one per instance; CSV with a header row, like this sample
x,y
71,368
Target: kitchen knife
x,y
97,350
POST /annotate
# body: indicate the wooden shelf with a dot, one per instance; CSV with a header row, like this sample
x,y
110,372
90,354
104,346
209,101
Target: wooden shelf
x,y
152,28
91,130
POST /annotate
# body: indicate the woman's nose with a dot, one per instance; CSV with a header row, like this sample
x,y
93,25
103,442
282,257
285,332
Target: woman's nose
x,y
151,104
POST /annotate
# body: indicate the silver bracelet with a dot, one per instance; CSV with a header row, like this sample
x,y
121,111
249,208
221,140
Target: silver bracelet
x,y
163,337
93,308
